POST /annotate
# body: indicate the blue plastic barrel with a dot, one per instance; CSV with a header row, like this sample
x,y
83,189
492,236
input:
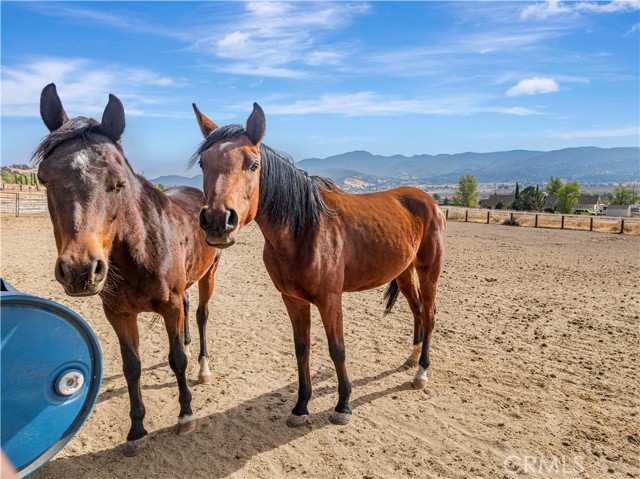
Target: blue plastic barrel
x,y
51,368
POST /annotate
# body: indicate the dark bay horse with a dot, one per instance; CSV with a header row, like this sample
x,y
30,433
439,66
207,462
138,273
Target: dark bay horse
x,y
120,237
321,242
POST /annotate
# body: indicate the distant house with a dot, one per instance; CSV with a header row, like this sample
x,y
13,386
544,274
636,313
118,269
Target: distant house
x,y
635,210
500,201
619,210
586,203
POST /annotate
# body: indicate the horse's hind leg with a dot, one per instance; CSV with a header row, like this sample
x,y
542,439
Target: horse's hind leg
x,y
409,288
205,290
126,327
429,265
187,336
173,314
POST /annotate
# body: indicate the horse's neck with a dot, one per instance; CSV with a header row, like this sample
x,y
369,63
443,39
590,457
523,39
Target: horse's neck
x,y
279,239
138,232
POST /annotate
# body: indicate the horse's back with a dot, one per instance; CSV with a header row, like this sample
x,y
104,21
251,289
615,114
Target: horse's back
x,y
189,197
187,192
404,200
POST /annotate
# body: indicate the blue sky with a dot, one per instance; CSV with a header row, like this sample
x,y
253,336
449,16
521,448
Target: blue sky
x,y
387,77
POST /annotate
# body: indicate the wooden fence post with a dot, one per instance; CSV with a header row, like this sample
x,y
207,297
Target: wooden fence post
x,y
466,216
488,216
18,204
511,218
622,226
591,223
562,223
446,214
535,223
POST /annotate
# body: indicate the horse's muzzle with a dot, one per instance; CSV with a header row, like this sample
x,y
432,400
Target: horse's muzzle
x,y
219,226
81,279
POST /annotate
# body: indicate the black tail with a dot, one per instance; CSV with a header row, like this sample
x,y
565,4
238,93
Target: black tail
x,y
391,294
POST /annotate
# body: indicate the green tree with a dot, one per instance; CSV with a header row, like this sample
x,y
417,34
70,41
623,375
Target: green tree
x,y
467,192
568,197
8,178
514,205
531,199
554,186
625,195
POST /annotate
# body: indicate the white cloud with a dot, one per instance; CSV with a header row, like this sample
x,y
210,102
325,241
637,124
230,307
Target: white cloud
x,y
280,39
235,44
634,28
545,10
551,8
606,133
533,86
131,23
367,103
84,86
612,7
261,71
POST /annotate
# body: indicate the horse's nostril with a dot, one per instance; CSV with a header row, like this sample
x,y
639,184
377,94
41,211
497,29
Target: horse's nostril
x,y
232,220
99,270
205,218
60,270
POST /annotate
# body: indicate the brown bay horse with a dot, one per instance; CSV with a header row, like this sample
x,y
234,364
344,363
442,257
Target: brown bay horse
x,y
120,237
321,242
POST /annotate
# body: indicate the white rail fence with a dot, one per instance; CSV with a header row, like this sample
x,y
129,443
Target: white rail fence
x,y
543,220
22,203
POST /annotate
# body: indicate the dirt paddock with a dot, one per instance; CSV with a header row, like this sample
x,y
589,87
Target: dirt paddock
x,y
534,369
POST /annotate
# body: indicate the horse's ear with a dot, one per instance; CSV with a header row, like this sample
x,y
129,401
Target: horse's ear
x,y
256,124
51,109
206,125
113,118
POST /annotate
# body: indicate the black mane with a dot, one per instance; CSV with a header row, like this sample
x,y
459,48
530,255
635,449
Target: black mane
x,y
288,195
85,129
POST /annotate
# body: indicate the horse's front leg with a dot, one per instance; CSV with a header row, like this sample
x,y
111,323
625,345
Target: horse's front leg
x,y
205,290
173,314
331,312
300,316
126,327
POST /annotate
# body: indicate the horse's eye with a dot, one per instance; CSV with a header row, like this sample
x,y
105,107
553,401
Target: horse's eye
x,y
120,185
200,164
254,167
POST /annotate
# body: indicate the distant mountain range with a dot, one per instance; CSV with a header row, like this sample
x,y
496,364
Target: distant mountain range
x,y
584,164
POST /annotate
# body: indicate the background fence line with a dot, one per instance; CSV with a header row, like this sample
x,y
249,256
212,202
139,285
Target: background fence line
x,y
24,203
544,220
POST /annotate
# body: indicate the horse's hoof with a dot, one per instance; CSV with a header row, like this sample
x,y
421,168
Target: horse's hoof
x,y
204,379
133,448
297,421
419,383
186,425
340,418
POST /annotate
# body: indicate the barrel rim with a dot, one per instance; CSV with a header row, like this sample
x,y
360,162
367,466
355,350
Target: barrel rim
x,y
13,296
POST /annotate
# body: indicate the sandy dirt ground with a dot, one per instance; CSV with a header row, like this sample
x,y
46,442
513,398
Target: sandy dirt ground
x,y
534,369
